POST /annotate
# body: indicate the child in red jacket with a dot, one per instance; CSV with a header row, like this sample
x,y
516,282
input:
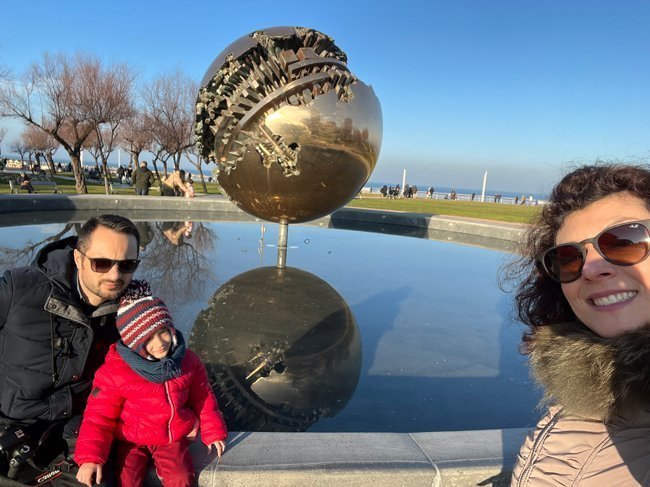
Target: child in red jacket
x,y
150,395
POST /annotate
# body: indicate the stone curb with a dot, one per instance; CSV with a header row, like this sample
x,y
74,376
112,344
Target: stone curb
x,y
459,458
488,234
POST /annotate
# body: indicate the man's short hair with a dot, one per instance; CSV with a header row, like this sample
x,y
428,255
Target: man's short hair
x,y
114,222
143,163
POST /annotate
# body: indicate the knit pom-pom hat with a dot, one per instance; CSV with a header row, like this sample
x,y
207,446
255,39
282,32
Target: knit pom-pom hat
x,y
140,315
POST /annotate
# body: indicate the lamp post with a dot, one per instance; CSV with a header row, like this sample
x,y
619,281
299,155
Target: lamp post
x,y
483,191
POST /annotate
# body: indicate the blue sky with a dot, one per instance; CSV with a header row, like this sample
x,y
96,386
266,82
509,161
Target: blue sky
x,y
521,89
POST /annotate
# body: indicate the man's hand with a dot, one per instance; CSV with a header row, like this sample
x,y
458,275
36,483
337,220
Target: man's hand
x,y
89,470
220,446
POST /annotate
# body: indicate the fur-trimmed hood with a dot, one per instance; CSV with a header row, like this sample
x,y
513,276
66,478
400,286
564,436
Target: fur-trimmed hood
x,y
588,375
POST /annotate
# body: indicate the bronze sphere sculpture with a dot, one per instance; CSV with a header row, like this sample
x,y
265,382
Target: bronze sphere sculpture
x,y
294,133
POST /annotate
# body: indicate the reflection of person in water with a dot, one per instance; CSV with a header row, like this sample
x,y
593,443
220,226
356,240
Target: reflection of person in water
x,y
177,259
177,232
146,234
174,184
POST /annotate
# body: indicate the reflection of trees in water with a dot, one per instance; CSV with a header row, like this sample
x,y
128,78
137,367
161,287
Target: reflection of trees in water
x,y
24,255
173,253
175,262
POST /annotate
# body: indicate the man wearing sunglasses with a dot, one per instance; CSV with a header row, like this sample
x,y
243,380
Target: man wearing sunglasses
x,y
57,321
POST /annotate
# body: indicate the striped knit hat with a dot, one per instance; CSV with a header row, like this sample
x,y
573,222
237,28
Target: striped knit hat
x,y
140,315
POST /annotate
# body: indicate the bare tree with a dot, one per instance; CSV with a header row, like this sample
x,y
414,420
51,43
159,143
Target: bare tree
x,y
19,147
169,102
134,137
92,146
54,96
158,145
194,157
112,95
43,145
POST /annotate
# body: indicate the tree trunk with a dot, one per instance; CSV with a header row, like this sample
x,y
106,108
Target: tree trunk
x,y
80,181
107,186
200,168
155,169
50,163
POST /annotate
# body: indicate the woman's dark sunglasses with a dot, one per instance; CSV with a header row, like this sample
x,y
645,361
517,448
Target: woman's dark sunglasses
x,y
101,265
625,244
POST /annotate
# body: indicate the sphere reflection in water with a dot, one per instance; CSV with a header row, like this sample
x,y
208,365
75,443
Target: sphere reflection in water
x,y
294,133
281,347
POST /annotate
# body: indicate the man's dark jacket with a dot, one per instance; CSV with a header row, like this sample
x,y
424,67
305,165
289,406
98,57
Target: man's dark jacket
x,y
51,343
142,178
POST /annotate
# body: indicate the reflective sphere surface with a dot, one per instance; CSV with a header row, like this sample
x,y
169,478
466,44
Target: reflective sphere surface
x,y
281,347
294,133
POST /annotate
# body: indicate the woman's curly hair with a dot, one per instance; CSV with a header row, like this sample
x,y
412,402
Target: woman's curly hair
x,y
539,300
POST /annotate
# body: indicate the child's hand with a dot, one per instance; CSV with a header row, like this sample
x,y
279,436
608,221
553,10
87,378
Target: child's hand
x,y
89,470
220,446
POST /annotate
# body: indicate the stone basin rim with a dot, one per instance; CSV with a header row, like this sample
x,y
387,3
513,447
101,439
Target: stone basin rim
x,y
56,208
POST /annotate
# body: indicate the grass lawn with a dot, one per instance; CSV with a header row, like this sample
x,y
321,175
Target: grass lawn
x,y
489,211
473,209
67,186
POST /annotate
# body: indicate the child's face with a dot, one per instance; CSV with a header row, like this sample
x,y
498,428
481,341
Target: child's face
x,y
159,344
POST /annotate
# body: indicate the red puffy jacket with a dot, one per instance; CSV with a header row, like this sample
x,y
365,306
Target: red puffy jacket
x,y
125,406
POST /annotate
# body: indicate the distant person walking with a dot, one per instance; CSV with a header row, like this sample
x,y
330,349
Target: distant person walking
x,y
142,179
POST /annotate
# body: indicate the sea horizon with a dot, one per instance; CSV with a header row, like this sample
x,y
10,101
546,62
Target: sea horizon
x,y
489,192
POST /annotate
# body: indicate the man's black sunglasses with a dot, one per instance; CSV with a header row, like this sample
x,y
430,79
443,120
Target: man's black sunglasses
x,y
624,244
101,265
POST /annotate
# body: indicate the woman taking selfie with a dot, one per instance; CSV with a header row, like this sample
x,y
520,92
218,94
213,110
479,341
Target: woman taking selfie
x,y
585,296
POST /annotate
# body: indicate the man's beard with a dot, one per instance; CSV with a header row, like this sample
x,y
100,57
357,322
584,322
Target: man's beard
x,y
109,295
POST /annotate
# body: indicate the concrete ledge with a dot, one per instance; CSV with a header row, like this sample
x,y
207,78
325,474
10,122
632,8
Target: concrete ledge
x,y
15,210
459,458
471,231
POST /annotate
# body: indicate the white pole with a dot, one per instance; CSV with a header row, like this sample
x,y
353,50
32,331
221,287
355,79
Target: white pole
x,y
484,182
403,180
82,158
119,157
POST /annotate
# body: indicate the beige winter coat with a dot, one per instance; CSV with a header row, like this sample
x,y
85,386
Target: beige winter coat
x,y
597,433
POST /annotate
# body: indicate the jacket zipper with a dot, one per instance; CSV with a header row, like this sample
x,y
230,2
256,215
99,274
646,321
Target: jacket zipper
x,y
536,446
173,411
